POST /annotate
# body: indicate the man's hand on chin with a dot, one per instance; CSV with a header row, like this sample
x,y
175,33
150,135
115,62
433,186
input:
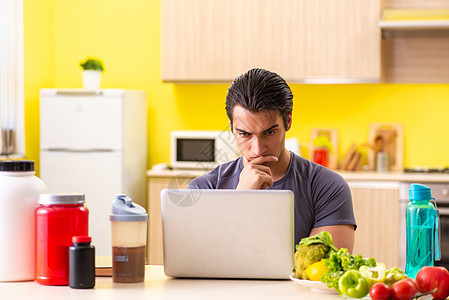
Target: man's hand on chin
x,y
256,174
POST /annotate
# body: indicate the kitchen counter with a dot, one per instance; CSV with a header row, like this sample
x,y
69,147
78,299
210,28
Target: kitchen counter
x,y
158,286
176,172
395,176
371,193
350,176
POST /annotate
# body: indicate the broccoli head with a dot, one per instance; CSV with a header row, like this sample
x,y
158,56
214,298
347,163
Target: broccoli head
x,y
312,249
306,255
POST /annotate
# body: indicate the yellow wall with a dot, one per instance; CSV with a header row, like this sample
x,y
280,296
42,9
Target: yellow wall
x,y
39,65
126,35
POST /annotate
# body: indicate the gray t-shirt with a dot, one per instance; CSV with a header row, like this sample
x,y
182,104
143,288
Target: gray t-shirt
x,y
322,197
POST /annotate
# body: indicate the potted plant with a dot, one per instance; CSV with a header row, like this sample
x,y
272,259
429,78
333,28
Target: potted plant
x,y
92,68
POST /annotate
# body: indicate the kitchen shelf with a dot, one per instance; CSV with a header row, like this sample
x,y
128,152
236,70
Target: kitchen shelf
x,y
412,19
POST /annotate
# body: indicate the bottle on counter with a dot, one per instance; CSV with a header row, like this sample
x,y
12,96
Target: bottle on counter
x,y
82,263
422,230
128,238
19,192
59,218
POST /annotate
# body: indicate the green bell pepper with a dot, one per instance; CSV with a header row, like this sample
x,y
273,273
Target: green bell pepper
x,y
374,274
394,274
353,284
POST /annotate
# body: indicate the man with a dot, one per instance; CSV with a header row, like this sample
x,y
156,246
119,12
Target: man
x,y
259,107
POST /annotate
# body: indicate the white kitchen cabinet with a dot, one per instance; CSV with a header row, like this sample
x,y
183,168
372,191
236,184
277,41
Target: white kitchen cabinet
x,y
302,40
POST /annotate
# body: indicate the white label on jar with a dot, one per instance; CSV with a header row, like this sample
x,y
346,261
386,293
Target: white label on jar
x,y
121,257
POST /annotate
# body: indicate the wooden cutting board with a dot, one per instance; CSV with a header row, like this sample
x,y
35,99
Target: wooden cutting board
x,y
389,138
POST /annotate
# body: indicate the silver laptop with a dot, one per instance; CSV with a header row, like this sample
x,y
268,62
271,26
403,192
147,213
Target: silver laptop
x,y
228,233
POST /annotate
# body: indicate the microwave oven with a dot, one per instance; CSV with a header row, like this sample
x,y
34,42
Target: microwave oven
x,y
201,149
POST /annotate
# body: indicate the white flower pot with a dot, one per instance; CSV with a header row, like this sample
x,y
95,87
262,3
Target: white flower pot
x,y
91,79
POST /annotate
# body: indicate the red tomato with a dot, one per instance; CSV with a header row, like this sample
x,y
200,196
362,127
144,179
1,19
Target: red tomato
x,y
429,278
380,291
414,283
403,289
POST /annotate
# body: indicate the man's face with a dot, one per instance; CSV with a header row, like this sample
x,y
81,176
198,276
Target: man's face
x,y
259,134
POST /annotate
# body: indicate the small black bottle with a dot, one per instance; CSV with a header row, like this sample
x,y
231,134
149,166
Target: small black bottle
x,y
81,263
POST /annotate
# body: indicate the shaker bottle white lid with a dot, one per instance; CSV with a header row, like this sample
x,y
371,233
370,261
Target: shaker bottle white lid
x,y
124,210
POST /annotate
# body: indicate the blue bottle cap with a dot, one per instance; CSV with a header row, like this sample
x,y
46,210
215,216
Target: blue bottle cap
x,y
419,192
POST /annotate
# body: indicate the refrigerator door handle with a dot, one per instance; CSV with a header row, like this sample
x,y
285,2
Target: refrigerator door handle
x,y
79,93
78,150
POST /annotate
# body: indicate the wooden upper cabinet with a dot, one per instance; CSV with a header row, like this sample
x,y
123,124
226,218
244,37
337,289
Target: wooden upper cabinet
x,y
343,40
416,41
217,40
415,4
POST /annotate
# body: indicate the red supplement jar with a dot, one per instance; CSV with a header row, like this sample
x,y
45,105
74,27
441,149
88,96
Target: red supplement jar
x,y
58,218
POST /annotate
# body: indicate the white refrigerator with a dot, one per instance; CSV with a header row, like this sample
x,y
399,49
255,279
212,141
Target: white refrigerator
x,y
94,142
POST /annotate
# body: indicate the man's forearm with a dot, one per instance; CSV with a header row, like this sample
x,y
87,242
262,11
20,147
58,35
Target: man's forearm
x,y
343,236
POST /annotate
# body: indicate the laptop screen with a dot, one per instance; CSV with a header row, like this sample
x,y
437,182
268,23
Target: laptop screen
x,y
228,233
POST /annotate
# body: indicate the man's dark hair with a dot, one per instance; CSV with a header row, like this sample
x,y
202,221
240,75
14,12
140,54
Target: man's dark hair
x,y
257,90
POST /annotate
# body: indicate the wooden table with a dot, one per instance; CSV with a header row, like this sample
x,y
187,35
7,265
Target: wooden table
x,y
159,286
